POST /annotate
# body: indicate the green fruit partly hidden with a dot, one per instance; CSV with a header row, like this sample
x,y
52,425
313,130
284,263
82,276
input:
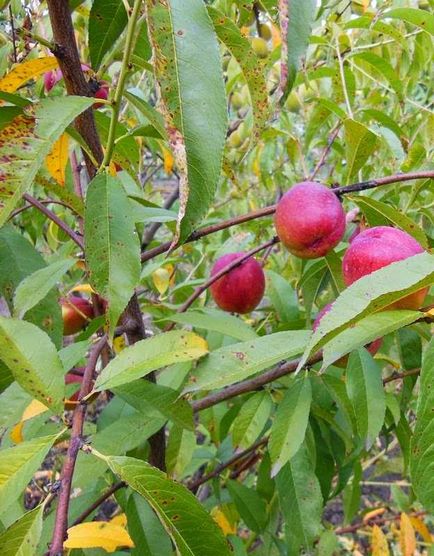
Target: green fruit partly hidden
x,y
260,47
265,31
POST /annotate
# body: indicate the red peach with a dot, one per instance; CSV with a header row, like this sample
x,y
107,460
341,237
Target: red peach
x,y
377,247
76,313
241,289
309,220
372,347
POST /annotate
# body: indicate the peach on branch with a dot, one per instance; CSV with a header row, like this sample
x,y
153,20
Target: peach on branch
x,y
241,289
76,313
309,220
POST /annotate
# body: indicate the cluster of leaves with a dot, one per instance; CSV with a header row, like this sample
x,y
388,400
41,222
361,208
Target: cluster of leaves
x,y
341,93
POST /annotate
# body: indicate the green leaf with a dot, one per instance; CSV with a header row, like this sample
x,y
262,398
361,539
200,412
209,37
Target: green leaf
x,y
72,354
179,451
365,390
422,443
112,246
148,534
251,420
420,18
367,22
352,494
360,143
155,118
334,264
217,321
240,48
146,396
300,501
378,213
236,362
289,427
126,151
128,430
370,294
188,69
365,331
298,22
282,296
27,140
176,507
382,66
18,259
249,504
22,537
148,355
33,360
37,285
107,20
17,465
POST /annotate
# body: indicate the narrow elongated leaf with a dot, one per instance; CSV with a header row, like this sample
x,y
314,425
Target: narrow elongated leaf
x,y
365,390
17,466
27,140
296,19
98,534
146,396
371,294
25,71
187,67
22,537
36,286
360,143
33,360
148,534
379,544
383,67
107,20
18,259
300,501
365,331
407,536
290,423
112,246
378,213
421,18
148,355
57,159
249,504
283,297
218,321
179,451
422,442
154,117
232,363
240,48
176,507
251,419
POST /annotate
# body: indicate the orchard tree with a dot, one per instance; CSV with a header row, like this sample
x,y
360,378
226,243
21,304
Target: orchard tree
x,y
216,317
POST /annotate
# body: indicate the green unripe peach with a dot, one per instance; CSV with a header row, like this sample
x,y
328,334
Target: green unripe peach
x,y
235,139
237,101
260,47
265,31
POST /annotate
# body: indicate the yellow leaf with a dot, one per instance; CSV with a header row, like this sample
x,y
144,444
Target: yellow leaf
x,y
161,279
112,169
379,542
119,344
57,159
223,522
34,408
98,534
85,288
25,71
420,527
276,38
407,537
374,513
168,160
120,520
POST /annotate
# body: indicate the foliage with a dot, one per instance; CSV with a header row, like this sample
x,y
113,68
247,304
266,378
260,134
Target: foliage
x,y
213,433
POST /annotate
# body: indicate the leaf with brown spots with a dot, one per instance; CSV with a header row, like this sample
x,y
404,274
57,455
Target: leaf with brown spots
x,y
25,71
180,513
33,360
57,159
251,66
27,140
192,99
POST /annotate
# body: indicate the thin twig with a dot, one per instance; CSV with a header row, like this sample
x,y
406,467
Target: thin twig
x,y
374,521
75,443
14,38
150,232
44,202
398,376
267,211
325,152
199,290
114,488
49,214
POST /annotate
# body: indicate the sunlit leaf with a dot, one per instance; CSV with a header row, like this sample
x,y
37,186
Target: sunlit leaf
x,y
23,72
